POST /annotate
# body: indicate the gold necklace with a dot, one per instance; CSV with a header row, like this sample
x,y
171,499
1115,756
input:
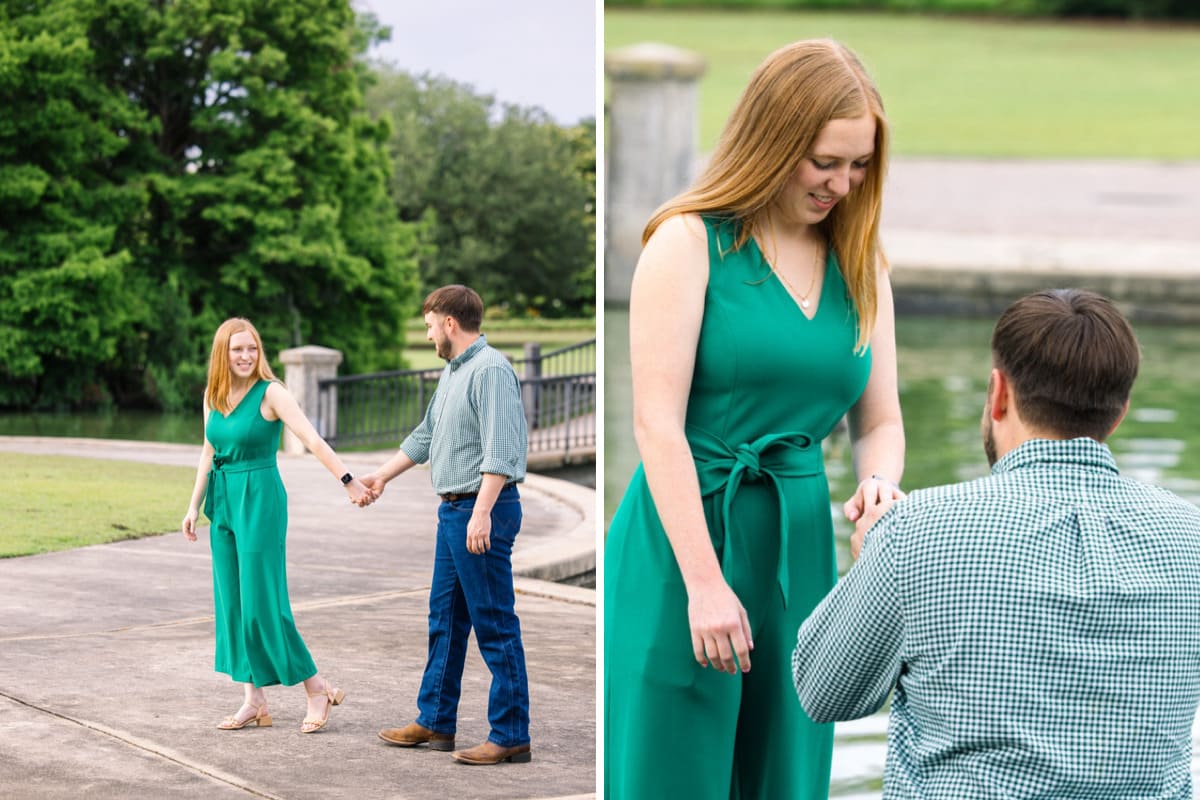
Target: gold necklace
x,y
803,297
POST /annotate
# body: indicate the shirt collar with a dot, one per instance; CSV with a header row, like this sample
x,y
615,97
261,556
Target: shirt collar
x,y
1084,452
466,355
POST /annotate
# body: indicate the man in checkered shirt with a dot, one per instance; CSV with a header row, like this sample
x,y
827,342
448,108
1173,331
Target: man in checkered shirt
x,y
1041,626
474,437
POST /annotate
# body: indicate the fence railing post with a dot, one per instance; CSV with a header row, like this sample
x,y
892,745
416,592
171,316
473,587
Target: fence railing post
x,y
531,386
304,367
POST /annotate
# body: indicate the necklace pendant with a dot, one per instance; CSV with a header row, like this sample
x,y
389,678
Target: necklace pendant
x,y
804,302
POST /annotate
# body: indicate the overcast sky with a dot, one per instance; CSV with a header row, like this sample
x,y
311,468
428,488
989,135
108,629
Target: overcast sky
x,y
525,52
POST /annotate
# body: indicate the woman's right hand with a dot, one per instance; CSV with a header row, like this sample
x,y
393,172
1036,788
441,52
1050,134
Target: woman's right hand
x,y
189,524
360,495
720,628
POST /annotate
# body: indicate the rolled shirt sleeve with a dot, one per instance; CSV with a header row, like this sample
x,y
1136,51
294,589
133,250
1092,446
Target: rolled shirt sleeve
x,y
848,651
496,396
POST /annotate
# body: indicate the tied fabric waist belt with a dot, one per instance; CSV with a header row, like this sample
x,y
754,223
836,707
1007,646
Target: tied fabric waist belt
x,y
222,467
770,458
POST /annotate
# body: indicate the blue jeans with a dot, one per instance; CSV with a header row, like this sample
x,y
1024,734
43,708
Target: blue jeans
x,y
475,591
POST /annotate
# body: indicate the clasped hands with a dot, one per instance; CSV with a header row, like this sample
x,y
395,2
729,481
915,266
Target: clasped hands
x,y
366,490
871,500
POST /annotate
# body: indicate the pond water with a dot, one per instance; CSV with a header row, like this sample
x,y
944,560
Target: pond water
x,y
141,426
943,366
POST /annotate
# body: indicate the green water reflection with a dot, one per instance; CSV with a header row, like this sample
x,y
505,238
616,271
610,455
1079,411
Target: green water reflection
x,y
142,426
943,365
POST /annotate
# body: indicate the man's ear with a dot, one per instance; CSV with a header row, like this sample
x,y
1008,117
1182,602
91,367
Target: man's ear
x,y
999,395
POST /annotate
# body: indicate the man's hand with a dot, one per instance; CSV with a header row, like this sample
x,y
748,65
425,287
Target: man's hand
x,y
374,483
479,531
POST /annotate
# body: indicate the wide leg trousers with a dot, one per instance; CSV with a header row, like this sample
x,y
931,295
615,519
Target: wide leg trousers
x,y
676,729
257,640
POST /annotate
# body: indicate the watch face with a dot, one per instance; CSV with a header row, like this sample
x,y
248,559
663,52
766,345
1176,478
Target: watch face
x,y
347,478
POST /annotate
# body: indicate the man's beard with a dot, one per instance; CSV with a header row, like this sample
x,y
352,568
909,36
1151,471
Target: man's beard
x,y
989,440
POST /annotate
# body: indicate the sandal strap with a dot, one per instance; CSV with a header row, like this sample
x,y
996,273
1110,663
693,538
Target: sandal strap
x,y
259,712
328,692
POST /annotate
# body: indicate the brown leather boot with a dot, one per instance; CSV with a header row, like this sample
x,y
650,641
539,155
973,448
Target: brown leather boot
x,y
413,734
492,753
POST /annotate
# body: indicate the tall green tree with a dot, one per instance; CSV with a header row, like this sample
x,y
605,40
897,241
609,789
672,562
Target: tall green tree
x,y
510,195
65,298
179,162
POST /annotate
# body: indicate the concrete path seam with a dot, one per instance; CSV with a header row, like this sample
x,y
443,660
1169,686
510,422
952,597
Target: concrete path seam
x,y
524,586
304,606
163,753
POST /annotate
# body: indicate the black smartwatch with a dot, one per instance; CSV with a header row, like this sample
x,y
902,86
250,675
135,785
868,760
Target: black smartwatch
x,y
347,478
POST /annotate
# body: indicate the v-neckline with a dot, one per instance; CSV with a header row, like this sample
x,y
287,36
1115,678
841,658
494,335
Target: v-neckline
x,y
820,299
241,400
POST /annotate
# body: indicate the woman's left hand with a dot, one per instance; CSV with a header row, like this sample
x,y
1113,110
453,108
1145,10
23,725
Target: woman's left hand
x,y
871,492
871,501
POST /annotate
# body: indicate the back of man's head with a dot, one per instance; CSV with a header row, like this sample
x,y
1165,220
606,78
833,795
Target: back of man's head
x,y
458,301
1071,358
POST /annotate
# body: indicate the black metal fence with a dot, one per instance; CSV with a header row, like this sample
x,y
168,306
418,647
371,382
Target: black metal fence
x,y
378,410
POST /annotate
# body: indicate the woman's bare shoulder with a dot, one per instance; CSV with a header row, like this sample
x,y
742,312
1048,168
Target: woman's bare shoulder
x,y
678,248
681,230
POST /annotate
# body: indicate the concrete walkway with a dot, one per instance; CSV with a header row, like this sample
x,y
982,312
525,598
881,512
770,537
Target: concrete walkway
x,y
106,681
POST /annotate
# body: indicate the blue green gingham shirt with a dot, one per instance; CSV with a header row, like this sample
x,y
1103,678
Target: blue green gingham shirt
x,y
475,423
1041,628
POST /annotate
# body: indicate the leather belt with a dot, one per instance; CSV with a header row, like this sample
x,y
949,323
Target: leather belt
x,y
451,497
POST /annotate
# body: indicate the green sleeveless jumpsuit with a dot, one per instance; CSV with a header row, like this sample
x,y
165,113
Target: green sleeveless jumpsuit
x,y
257,641
768,386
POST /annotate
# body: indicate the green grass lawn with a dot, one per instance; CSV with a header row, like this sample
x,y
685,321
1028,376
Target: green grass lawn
x,y
58,503
968,87
508,336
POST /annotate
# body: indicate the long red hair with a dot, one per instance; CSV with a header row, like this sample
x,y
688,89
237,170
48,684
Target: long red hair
x,y
220,376
790,98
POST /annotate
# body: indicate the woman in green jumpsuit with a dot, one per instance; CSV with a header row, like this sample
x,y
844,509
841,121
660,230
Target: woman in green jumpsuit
x,y
760,314
257,641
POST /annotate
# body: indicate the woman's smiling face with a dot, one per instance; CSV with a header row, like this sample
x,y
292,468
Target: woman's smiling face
x,y
836,164
243,354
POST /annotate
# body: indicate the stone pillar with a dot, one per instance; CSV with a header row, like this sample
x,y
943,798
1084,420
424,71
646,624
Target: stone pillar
x,y
652,131
303,367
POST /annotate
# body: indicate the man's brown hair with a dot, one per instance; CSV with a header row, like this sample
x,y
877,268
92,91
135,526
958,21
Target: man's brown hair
x,y
458,301
1072,359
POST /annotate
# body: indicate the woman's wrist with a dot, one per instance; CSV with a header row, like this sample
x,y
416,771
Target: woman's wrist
x,y
884,479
